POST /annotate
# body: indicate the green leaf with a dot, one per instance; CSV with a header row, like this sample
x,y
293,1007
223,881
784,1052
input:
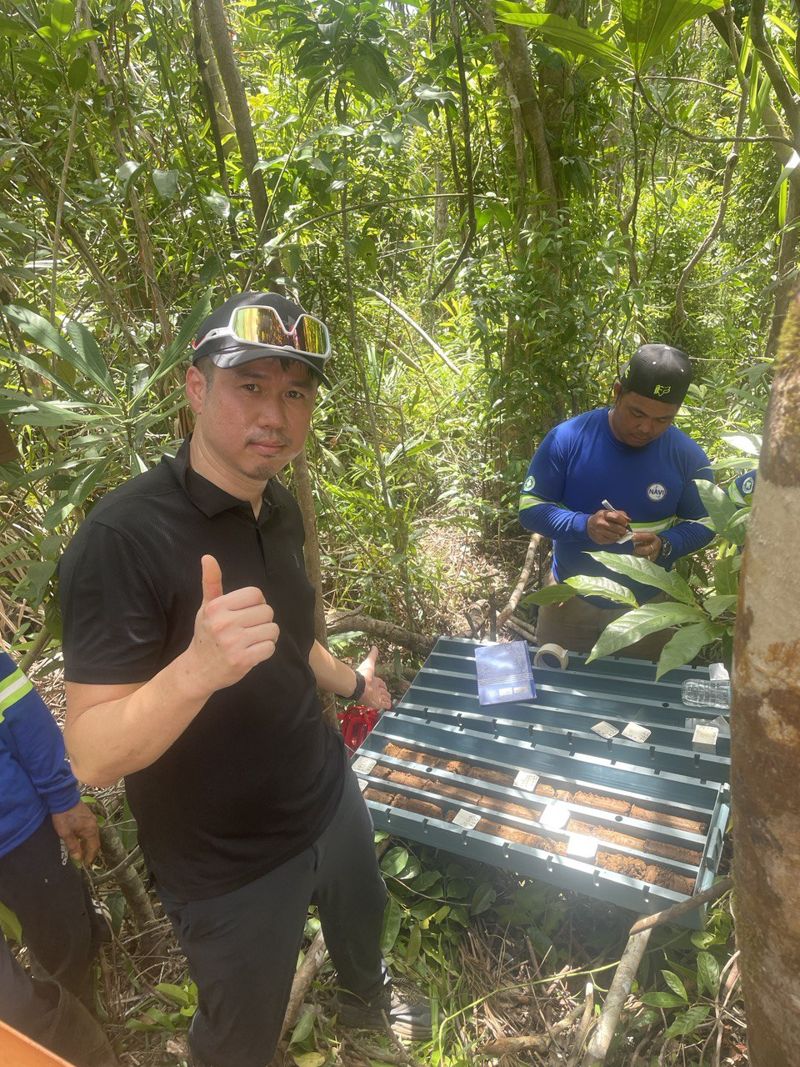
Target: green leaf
x,y
89,359
78,73
166,183
565,34
726,575
749,443
717,503
219,204
550,594
414,943
32,412
304,1028
683,646
41,332
395,861
716,605
392,919
126,173
640,622
10,924
650,25
707,973
642,570
308,1059
594,585
174,993
10,27
482,899
662,1000
688,1021
676,985
62,13
178,349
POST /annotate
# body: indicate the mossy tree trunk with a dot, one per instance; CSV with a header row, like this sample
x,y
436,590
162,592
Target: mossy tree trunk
x,y
766,730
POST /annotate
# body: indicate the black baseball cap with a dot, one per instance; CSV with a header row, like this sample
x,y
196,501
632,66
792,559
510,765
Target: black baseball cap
x,y
658,371
232,351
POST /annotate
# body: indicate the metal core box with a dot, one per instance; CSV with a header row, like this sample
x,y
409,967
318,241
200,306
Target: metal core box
x,y
530,787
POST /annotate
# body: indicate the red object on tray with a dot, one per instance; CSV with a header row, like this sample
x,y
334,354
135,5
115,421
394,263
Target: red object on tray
x,y
356,722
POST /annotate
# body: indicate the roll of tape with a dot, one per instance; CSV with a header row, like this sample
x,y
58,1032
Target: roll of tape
x,y
551,656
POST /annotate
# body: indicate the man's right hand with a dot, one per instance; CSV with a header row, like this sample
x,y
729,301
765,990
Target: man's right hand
x,y
607,527
232,631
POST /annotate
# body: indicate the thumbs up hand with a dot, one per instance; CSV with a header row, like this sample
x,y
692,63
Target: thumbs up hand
x,y
375,694
232,631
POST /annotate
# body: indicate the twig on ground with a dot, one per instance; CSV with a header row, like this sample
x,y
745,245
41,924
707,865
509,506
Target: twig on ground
x,y
507,1046
617,995
586,1022
520,627
304,976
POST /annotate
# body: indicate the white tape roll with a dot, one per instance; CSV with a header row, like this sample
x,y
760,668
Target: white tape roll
x,y
551,656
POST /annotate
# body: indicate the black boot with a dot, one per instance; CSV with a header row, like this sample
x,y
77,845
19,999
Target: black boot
x,y
75,1034
410,1019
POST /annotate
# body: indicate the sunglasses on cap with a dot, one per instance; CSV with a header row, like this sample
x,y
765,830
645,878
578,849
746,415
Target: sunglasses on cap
x,y
262,326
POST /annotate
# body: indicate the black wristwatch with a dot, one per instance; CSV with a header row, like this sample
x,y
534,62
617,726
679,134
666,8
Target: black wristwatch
x,y
666,551
361,685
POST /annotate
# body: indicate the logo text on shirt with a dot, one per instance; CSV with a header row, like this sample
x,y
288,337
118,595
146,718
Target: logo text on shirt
x,y
656,491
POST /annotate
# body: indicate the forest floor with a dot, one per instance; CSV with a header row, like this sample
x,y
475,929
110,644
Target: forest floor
x,y
510,983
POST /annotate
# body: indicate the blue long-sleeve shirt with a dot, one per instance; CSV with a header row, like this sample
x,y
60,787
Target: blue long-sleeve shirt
x,y
35,777
580,463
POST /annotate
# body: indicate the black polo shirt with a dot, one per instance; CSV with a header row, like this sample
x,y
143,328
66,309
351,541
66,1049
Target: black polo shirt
x,y
257,775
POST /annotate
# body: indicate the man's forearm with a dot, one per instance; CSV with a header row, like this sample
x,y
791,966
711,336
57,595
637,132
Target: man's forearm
x,y
127,731
689,536
556,522
331,673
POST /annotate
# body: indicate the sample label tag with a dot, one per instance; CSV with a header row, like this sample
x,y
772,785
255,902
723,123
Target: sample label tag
x,y
468,820
362,784
634,732
583,847
605,729
526,780
556,815
364,765
705,738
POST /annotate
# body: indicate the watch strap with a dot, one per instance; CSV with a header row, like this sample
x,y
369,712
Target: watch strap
x,y
361,685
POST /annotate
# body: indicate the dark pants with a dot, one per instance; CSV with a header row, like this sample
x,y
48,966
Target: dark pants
x,y
48,894
242,947
26,1005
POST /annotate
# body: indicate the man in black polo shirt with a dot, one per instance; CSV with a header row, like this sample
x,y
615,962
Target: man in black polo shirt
x,y
192,670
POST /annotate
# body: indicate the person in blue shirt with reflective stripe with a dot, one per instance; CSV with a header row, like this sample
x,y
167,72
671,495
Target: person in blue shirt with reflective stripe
x,y
619,479
43,823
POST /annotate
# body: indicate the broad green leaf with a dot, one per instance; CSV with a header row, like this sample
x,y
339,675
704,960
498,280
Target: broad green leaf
x,y
392,919
395,861
174,993
550,594
683,646
640,622
61,15
304,1027
716,605
308,1059
166,183
30,412
594,585
12,27
676,985
89,359
77,73
42,332
10,924
650,25
642,570
219,204
707,973
565,34
126,173
749,443
717,503
39,366
414,943
482,899
662,1000
736,530
726,576
688,1021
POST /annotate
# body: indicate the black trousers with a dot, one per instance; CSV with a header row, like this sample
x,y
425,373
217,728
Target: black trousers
x,y
242,947
49,897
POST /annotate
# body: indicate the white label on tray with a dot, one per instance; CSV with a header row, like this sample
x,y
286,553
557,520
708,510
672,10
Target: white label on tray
x,y
634,732
364,764
526,780
555,815
605,729
362,784
583,847
466,819
705,735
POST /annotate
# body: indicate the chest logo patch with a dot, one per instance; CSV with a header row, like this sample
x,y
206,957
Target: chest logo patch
x,y
529,483
656,491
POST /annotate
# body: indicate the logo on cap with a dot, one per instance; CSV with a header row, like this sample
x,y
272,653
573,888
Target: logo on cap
x,y
661,390
656,491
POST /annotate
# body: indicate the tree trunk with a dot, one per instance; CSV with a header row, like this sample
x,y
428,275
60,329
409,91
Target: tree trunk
x,y
240,109
766,731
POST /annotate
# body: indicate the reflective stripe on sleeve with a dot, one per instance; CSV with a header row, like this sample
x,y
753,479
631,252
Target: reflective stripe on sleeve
x,y
12,689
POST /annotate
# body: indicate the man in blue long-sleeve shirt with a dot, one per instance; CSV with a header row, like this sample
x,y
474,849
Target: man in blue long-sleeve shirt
x,y
619,479
43,823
